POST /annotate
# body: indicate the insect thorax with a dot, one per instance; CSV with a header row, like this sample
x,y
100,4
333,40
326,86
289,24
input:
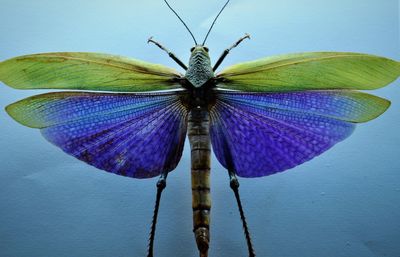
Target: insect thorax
x,y
199,70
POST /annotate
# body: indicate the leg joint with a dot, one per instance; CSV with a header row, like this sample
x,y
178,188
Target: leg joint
x,y
233,181
161,184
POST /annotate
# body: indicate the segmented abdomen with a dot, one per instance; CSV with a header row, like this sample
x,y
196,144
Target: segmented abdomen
x,y
199,137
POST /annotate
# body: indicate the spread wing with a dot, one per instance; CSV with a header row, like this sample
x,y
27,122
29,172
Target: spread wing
x,y
311,71
135,135
259,134
85,71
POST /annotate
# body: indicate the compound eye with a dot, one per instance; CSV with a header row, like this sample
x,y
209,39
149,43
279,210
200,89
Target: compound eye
x,y
206,48
191,49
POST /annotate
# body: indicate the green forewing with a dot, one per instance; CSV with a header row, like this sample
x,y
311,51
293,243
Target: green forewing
x,y
311,71
85,71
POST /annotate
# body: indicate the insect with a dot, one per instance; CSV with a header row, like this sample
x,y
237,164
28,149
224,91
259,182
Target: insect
x,y
287,110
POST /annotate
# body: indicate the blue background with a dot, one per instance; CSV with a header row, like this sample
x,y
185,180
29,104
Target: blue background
x,y
343,203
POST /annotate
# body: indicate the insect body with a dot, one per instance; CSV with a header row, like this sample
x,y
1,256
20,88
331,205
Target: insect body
x,y
198,74
259,117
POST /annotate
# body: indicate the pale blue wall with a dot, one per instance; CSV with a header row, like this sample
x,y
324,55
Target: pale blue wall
x,y
342,204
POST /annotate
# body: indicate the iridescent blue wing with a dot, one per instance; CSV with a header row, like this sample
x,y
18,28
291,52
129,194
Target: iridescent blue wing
x,y
259,134
133,134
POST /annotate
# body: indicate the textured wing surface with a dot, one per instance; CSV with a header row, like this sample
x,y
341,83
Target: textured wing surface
x,y
135,135
259,134
311,71
85,71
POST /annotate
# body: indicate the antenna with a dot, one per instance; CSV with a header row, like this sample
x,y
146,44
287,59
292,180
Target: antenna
x,y
194,39
212,25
